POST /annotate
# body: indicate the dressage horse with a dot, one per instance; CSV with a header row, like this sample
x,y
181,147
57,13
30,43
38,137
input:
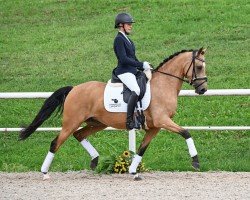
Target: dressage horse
x,y
84,104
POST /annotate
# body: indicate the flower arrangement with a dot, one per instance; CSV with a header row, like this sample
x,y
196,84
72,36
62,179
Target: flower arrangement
x,y
119,164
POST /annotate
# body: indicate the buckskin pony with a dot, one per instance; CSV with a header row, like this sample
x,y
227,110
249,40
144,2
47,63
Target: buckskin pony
x,y
84,103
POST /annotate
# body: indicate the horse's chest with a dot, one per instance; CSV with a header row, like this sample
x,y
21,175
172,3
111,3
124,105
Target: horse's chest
x,y
170,108
171,114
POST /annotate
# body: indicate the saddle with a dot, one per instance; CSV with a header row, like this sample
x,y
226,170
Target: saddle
x,y
142,81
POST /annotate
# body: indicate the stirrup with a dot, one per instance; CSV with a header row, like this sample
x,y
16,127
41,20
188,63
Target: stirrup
x,y
130,125
133,125
138,124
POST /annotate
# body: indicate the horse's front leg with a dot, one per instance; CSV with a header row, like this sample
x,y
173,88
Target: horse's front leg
x,y
168,124
150,134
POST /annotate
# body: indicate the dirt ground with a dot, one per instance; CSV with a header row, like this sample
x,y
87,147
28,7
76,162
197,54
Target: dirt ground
x,y
154,185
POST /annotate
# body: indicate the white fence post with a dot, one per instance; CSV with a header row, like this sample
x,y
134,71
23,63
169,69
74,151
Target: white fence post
x,y
132,140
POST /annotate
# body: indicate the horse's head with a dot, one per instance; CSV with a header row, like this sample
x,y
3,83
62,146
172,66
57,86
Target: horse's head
x,y
195,71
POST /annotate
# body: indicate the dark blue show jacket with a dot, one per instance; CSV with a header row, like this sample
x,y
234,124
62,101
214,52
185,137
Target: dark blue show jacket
x,y
125,53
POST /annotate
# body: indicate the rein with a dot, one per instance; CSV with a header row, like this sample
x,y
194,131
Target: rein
x,y
184,80
194,76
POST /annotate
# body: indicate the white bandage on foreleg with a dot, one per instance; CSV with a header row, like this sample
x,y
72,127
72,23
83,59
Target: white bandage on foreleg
x,y
136,161
47,162
191,147
89,148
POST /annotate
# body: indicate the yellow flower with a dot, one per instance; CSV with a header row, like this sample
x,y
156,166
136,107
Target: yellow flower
x,y
116,164
123,161
126,154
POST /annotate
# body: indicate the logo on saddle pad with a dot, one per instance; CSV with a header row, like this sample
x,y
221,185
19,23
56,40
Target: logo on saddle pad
x,y
115,104
113,97
115,100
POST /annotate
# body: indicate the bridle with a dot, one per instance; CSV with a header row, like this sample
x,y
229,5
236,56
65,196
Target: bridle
x,y
194,75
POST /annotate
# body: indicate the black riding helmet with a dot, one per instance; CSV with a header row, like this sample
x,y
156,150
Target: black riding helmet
x,y
123,18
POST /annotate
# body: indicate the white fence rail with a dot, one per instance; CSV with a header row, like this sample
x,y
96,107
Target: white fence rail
x,y
219,92
203,128
132,146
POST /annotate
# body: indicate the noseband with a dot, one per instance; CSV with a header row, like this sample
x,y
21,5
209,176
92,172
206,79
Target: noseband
x,y
194,75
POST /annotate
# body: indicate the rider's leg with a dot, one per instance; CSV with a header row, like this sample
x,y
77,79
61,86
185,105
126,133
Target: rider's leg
x,y
129,80
130,124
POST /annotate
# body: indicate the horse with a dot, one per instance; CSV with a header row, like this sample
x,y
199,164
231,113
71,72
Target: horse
x,y
84,104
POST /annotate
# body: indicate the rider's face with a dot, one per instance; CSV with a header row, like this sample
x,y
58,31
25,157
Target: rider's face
x,y
128,27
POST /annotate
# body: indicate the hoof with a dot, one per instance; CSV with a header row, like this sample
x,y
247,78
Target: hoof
x,y
196,166
94,163
46,177
137,177
195,163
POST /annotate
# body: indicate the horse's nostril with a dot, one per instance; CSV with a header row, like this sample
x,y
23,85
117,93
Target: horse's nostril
x,y
203,90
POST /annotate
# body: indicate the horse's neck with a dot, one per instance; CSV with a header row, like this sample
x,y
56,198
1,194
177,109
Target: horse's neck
x,y
168,83
165,86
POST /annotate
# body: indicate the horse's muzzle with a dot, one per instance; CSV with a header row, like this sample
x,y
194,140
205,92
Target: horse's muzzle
x,y
202,91
200,87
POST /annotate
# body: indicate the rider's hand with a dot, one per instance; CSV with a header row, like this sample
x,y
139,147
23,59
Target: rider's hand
x,y
146,65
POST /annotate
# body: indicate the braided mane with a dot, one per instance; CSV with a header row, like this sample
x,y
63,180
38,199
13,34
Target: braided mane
x,y
170,57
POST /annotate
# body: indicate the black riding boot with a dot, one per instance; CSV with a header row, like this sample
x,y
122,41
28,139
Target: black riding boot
x,y
130,111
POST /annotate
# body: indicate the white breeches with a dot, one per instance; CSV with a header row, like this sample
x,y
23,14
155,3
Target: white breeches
x,y
130,81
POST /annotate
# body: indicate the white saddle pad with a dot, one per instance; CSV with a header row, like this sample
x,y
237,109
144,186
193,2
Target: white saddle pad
x,y
113,97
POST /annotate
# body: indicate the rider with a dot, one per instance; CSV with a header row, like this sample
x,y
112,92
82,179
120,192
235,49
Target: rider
x,y
128,64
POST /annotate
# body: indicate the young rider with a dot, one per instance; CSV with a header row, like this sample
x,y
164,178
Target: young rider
x,y
128,64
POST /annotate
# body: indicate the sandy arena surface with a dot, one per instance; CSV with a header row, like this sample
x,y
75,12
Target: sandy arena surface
x,y
153,186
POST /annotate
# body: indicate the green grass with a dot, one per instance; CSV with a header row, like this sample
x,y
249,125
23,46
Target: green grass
x,y
167,152
45,45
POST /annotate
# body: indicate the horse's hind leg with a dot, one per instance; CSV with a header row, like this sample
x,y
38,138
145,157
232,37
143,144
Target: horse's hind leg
x,y
83,133
67,129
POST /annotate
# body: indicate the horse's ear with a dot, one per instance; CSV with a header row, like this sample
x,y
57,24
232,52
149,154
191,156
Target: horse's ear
x,y
201,51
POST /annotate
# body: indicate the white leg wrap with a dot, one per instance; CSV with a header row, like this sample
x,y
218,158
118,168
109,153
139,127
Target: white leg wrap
x,y
191,147
90,149
136,161
47,162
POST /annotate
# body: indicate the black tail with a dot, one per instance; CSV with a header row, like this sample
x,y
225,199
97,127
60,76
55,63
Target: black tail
x,y
55,100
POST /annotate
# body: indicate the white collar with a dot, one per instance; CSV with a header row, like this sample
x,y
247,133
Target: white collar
x,y
125,36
